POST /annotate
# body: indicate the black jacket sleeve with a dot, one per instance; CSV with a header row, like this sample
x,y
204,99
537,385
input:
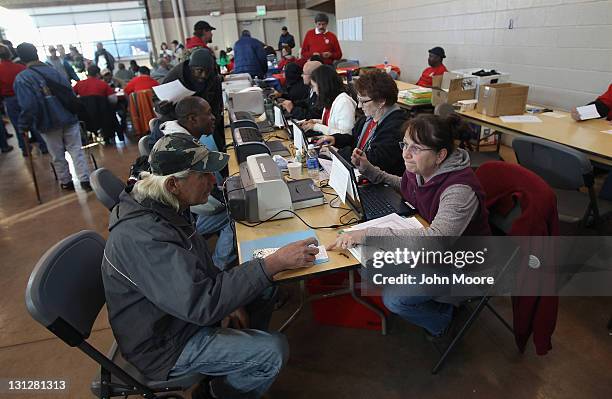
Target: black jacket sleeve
x,y
602,109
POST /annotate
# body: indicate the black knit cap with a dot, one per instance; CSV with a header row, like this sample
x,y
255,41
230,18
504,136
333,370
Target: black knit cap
x,y
439,51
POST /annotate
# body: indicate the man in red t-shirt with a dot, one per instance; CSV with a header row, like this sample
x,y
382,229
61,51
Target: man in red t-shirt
x,y
603,104
320,41
436,67
142,82
94,86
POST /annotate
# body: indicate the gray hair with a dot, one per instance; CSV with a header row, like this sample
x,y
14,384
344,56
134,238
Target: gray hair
x,y
154,187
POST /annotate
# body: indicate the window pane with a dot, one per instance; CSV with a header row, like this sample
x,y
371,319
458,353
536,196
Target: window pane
x,y
93,33
57,34
133,47
129,30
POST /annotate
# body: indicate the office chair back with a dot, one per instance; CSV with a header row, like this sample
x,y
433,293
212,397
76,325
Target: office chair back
x,y
107,187
143,143
65,291
560,166
65,294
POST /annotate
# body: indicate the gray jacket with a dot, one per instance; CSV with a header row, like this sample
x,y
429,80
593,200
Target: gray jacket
x,y
161,285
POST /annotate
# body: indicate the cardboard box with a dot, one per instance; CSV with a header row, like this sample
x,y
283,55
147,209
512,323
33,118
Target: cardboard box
x,y
502,99
450,88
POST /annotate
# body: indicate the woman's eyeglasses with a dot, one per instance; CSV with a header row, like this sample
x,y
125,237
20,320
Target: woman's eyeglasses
x,y
413,149
363,100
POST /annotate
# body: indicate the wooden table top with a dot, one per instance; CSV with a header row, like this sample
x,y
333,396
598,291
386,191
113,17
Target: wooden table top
x,y
322,215
585,136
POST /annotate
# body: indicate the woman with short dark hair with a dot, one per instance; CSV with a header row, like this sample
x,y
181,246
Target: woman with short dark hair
x,y
338,107
377,133
445,191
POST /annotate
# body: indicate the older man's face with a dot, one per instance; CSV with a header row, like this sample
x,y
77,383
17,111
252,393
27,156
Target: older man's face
x,y
195,188
321,26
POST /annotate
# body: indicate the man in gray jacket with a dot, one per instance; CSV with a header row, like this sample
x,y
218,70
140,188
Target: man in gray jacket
x,y
169,307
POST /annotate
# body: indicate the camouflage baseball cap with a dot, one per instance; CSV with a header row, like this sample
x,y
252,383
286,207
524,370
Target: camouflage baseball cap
x,y
178,152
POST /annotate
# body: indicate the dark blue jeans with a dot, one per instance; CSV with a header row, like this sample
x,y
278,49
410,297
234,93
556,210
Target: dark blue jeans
x,y
244,362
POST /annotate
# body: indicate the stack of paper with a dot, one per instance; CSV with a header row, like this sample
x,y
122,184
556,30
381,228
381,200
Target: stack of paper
x,y
421,95
392,221
588,112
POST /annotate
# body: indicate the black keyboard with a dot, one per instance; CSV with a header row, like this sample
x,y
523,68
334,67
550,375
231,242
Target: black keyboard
x,y
375,206
248,134
265,127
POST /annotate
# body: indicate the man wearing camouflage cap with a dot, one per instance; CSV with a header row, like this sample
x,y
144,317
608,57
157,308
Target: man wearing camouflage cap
x,y
169,307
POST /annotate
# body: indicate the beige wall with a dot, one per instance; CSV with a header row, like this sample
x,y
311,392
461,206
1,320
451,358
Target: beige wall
x,y
560,48
299,21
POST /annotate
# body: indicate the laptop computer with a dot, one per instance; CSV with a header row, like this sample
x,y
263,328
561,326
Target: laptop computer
x,y
371,201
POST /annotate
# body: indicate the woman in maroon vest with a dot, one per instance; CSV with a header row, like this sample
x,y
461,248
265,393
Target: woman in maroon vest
x,y
441,185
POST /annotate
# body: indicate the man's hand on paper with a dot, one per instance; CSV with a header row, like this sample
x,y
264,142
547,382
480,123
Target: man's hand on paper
x,y
292,256
575,115
347,239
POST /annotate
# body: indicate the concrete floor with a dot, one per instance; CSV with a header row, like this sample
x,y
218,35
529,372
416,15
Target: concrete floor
x,y
326,362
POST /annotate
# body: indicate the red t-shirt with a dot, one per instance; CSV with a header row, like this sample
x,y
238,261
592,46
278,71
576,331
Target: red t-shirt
x,y
92,87
142,82
426,77
8,72
321,43
606,98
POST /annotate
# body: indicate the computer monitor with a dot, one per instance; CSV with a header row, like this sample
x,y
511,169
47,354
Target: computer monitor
x,y
352,192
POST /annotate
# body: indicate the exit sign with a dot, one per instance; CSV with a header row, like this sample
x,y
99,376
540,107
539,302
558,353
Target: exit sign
x,y
261,11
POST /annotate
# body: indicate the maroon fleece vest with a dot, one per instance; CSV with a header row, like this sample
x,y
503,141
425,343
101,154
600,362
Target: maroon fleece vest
x,y
426,198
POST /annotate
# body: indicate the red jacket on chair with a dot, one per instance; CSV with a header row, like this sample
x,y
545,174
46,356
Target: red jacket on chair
x,y
502,182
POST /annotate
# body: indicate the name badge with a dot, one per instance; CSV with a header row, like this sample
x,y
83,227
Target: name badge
x,y
326,41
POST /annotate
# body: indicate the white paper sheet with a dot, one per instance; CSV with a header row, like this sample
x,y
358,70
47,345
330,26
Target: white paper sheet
x,y
278,117
557,115
520,119
252,88
339,178
172,92
393,221
588,112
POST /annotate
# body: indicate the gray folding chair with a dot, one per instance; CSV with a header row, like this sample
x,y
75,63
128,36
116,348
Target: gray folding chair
x,y
65,294
143,144
567,171
106,186
477,157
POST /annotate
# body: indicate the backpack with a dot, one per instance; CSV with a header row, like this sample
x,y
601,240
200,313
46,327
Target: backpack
x,y
63,93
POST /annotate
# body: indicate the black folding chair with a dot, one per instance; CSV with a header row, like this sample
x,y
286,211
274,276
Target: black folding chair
x,y
65,294
501,226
